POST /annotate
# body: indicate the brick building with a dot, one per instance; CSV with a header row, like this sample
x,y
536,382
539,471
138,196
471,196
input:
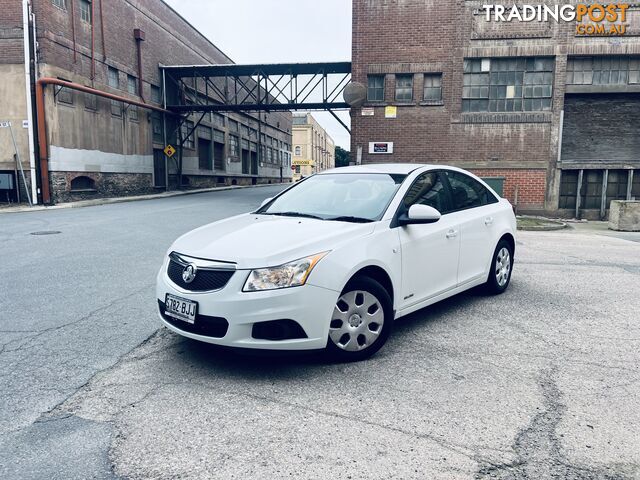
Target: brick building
x,y
541,110
98,146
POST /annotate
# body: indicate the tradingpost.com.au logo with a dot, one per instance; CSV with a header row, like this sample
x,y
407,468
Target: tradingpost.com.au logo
x,y
591,19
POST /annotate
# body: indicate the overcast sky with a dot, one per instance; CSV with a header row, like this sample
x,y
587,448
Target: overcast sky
x,y
276,31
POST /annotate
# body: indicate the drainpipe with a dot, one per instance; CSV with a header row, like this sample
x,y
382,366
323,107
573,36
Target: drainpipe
x,y
73,32
93,42
28,83
42,127
104,45
139,36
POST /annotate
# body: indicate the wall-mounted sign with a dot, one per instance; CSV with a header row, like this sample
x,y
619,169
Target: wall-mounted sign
x,y
303,163
379,148
390,112
368,112
169,151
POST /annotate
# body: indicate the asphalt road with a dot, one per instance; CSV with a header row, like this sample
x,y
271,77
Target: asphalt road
x,y
541,382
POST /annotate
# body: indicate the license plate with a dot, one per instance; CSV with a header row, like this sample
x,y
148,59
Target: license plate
x,y
180,308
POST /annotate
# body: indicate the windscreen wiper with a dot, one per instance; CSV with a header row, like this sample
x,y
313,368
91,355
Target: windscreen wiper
x,y
347,218
294,214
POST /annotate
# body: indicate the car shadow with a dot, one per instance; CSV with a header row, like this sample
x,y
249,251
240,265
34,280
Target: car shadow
x,y
258,364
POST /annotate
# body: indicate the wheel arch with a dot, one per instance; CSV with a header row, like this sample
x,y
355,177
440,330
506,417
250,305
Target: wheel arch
x,y
512,241
378,274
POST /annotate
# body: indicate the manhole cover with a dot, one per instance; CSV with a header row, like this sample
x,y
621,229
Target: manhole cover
x,y
46,232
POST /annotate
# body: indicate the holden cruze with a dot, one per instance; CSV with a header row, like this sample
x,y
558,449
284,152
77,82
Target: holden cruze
x,y
332,261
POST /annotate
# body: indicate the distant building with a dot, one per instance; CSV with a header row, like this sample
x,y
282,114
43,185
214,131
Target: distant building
x,y
549,114
98,146
313,149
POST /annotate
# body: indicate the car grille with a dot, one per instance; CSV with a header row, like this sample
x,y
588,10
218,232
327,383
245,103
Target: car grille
x,y
205,281
215,327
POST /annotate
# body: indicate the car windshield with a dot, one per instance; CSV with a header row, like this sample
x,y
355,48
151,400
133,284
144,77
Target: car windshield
x,y
348,197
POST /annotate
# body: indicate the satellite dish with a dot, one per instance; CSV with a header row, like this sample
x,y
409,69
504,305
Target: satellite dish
x,y
355,94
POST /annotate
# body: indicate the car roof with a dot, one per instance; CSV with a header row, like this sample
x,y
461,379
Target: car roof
x,y
392,168
389,168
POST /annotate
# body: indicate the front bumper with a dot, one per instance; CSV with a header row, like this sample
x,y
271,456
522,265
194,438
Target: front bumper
x,y
310,306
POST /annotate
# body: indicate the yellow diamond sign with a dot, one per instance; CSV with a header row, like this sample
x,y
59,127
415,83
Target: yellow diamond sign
x,y
169,151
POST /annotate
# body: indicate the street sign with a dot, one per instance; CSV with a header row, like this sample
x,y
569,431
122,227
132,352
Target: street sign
x,y
169,151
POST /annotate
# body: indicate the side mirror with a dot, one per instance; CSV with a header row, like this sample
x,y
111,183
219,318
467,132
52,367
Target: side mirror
x,y
265,201
419,214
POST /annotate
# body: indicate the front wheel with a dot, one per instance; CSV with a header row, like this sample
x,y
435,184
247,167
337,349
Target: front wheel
x,y
501,268
361,321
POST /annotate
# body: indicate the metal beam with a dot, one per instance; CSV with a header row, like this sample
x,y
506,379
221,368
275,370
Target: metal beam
x,y
256,107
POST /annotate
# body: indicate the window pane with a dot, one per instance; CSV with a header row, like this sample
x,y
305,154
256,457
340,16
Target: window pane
x,y
467,192
428,189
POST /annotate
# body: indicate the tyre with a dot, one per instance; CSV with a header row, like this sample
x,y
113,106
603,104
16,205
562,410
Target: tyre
x,y
501,268
361,322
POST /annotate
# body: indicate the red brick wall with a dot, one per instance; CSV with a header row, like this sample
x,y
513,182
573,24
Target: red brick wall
x,y
531,184
11,35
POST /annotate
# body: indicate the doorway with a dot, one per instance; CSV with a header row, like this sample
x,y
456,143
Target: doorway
x,y
159,169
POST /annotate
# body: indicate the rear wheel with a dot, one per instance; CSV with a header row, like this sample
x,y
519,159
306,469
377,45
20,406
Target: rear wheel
x,y
501,268
361,321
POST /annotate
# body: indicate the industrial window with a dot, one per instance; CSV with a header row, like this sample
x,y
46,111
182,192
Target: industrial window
x,y
217,119
218,136
375,90
60,4
253,133
244,130
432,88
233,125
233,145
617,185
568,189
85,11
592,189
603,70
404,88
523,84
132,84
156,125
113,77
580,71
635,187
64,95
90,102
185,130
156,97
298,151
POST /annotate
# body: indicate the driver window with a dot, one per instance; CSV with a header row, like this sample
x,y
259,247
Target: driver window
x,y
428,189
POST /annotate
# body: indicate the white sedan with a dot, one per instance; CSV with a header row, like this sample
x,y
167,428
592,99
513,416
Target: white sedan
x,y
332,261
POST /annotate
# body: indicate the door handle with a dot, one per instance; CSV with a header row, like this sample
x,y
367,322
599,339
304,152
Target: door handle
x,y
452,234
488,221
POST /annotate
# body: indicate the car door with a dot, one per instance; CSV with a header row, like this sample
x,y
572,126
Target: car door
x,y
474,208
429,251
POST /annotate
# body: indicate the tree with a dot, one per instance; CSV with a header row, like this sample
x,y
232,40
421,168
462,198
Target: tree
x,y
342,157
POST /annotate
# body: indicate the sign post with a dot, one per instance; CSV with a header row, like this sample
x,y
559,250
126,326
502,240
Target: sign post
x,y
18,162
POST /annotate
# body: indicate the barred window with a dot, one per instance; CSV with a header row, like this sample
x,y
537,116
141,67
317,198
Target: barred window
x,y
375,90
432,88
522,84
233,145
404,88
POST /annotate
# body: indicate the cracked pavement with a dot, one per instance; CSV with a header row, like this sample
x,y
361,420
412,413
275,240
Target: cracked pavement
x,y
541,382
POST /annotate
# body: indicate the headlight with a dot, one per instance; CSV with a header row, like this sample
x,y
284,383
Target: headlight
x,y
292,274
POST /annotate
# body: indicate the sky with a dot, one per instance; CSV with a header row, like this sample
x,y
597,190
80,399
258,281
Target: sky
x,y
277,31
